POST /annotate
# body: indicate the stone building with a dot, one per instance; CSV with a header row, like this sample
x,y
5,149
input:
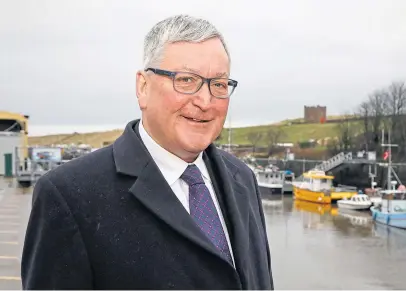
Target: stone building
x,y
315,113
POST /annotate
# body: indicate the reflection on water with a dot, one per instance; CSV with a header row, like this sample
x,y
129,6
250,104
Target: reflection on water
x,y
7,184
322,247
23,190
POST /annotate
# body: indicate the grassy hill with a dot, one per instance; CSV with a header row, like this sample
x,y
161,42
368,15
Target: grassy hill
x,y
293,131
290,133
94,139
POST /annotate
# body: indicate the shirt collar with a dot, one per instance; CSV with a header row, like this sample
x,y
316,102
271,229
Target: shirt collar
x,y
171,166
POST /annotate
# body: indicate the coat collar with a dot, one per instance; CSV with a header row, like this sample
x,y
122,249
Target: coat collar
x,y
130,154
171,166
150,187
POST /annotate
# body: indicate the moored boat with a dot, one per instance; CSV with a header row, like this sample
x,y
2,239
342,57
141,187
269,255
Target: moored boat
x,y
317,187
356,202
392,211
270,182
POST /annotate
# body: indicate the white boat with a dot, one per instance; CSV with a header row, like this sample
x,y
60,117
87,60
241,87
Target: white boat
x,y
270,182
356,202
270,179
392,211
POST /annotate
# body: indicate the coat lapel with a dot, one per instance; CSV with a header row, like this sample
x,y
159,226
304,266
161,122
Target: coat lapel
x,y
152,190
236,201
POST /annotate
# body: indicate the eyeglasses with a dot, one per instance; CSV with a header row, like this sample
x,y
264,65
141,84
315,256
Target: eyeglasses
x,y
189,83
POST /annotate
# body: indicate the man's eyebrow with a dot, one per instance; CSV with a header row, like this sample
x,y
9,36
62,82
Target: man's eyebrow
x,y
218,75
186,68
224,74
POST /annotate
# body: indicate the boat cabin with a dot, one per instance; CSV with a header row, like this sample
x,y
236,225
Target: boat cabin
x,y
359,198
316,181
393,201
270,177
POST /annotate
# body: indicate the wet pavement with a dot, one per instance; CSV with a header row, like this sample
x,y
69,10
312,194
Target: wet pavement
x,y
14,211
312,247
316,247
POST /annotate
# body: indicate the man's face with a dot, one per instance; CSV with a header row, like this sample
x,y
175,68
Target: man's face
x,y
167,114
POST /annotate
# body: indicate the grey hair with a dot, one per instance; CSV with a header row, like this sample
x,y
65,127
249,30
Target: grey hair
x,y
175,29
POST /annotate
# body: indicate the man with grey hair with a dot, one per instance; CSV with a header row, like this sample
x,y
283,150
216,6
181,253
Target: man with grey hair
x,y
161,208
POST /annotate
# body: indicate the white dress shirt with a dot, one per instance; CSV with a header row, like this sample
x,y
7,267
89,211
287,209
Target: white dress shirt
x,y
172,167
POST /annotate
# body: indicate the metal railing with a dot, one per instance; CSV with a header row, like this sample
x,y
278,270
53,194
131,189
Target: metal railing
x,y
27,170
334,162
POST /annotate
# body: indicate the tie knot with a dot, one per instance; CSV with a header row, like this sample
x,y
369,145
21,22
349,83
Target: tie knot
x,y
192,175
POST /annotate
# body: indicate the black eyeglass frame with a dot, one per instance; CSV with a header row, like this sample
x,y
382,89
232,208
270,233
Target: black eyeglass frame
x,y
205,80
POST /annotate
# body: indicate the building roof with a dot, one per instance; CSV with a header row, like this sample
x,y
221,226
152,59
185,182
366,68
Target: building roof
x,y
14,116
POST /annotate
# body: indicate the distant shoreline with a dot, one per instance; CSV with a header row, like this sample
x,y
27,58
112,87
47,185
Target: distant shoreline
x,y
47,130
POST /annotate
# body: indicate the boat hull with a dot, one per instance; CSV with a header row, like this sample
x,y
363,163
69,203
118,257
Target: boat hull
x,y
353,206
311,196
392,219
268,191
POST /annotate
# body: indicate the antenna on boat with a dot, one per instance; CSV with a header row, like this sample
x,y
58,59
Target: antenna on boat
x,y
389,145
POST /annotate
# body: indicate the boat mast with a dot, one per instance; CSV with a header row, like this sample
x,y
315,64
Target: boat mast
x,y
389,145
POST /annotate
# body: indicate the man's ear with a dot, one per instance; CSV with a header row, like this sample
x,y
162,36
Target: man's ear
x,y
142,89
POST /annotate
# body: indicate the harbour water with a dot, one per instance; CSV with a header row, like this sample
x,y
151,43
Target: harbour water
x,y
316,247
312,247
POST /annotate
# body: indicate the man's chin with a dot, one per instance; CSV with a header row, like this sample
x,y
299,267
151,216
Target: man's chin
x,y
194,147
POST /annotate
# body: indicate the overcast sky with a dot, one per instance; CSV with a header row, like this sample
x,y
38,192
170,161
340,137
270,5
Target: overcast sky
x,y
71,63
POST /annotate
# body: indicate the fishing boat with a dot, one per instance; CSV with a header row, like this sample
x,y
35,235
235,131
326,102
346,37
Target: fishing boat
x,y
356,202
270,182
392,211
270,179
316,186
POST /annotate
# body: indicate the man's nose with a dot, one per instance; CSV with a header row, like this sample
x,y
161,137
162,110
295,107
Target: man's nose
x,y
203,97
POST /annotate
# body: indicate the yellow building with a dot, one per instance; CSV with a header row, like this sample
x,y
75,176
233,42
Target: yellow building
x,y
13,122
16,124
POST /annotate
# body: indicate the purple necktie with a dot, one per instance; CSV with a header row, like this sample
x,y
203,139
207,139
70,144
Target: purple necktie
x,y
203,211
